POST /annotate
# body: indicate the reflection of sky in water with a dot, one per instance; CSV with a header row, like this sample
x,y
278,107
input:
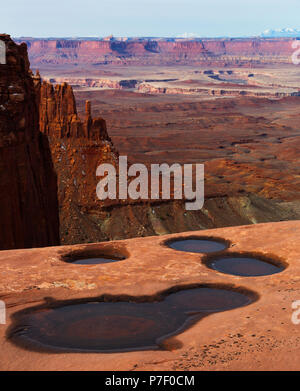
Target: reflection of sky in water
x,y
95,261
198,245
119,326
244,266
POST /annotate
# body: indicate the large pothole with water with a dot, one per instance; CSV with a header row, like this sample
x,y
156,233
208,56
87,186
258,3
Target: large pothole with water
x,y
198,244
245,265
108,325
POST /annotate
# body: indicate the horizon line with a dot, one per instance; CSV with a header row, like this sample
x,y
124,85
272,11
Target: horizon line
x,y
92,37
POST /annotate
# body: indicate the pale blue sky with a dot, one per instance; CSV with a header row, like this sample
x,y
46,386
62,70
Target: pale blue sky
x,y
210,18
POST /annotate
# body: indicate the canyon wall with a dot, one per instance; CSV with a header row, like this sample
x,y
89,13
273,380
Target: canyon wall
x,y
41,133
28,189
222,52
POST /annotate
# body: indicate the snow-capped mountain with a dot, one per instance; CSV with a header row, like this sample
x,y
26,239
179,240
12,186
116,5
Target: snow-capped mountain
x,y
287,32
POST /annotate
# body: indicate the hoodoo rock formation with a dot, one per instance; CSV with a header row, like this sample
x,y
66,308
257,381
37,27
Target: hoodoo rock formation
x,y
58,114
28,187
78,148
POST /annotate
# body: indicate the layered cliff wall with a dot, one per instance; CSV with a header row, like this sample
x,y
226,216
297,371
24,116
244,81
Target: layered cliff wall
x,y
28,189
160,51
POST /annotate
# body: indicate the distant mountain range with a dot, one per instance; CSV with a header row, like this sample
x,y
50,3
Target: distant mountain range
x,y
287,32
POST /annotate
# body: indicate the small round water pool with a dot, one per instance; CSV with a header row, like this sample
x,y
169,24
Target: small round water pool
x,y
198,245
245,265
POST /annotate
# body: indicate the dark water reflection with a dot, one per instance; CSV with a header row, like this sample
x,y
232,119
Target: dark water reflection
x,y
245,266
198,245
120,326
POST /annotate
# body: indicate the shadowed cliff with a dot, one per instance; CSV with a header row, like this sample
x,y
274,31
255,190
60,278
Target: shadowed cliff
x,y
28,189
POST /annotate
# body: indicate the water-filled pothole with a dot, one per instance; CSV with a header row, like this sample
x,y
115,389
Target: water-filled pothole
x,y
195,244
246,265
95,256
107,325
95,261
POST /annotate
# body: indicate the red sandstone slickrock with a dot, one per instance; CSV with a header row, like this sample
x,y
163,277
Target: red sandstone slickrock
x,y
260,336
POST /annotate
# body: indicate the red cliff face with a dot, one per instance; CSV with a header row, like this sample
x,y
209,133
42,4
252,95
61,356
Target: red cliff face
x,y
161,51
28,189
78,147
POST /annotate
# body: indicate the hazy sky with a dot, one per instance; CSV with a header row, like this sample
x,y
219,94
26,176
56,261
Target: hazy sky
x,y
58,18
